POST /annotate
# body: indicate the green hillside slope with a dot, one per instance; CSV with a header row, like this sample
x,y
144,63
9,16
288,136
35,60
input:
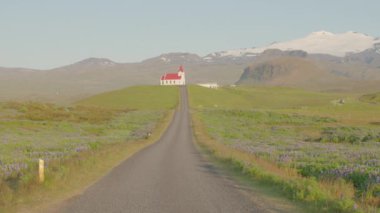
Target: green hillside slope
x,y
371,98
138,97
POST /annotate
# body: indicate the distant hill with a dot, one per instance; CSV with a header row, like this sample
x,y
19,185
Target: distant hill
x,y
309,62
370,57
95,75
310,73
287,71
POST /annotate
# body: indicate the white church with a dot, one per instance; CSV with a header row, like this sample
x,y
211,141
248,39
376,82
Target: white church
x,y
174,78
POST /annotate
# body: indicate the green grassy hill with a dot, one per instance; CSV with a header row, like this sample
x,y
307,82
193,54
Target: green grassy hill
x,y
91,136
258,97
138,98
296,140
287,100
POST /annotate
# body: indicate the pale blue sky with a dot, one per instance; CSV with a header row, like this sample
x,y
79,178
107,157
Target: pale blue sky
x,y
50,33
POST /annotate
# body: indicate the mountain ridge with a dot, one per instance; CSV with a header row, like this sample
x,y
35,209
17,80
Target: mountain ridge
x,y
355,42
93,75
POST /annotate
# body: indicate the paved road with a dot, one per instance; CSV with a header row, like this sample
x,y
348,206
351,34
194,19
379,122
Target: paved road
x,y
169,176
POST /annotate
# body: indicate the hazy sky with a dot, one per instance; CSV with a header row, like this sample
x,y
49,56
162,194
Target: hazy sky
x,y
50,33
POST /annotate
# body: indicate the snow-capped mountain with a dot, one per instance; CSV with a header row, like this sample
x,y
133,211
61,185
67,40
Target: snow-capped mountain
x,y
175,58
321,42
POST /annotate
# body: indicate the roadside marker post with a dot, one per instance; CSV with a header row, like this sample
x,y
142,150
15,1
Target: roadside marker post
x,y
41,170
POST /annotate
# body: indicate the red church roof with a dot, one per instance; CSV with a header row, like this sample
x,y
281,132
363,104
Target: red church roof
x,y
171,76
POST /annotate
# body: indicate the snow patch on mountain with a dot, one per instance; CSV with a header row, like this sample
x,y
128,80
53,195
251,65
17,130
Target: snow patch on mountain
x,y
96,61
322,42
377,47
108,63
208,58
166,60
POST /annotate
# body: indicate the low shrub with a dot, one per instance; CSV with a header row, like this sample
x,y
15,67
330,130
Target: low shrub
x,y
348,135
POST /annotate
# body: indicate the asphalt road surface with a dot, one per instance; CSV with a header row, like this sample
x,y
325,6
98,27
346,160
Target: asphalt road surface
x,y
168,176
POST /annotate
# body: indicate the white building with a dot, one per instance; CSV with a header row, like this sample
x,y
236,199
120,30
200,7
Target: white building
x,y
174,78
209,85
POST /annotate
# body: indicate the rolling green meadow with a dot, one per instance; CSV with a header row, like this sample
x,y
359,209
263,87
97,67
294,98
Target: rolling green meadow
x,y
319,148
76,136
322,149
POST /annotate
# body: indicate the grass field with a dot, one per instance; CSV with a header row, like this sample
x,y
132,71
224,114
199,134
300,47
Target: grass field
x,y
139,97
30,130
324,137
371,98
